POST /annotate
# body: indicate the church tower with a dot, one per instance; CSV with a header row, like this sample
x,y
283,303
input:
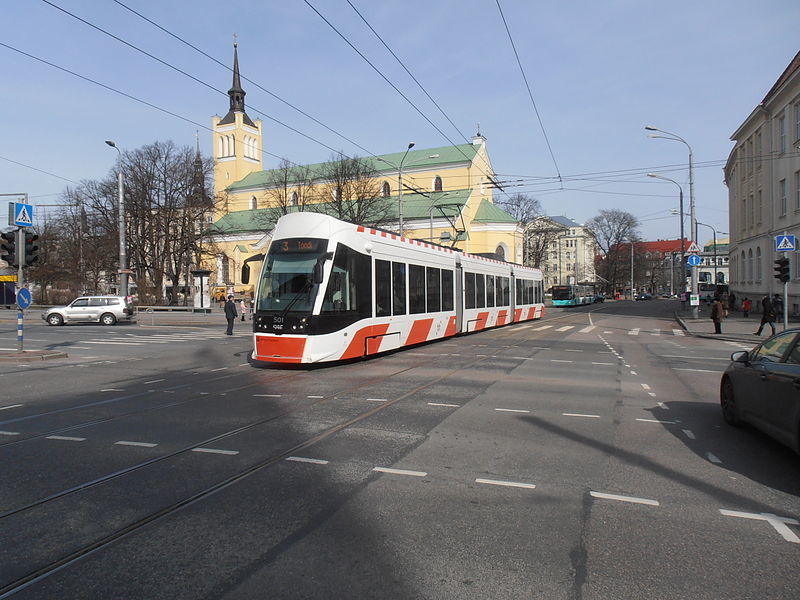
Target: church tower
x,y
237,139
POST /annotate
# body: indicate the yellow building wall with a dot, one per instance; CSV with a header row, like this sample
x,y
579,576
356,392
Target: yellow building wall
x,y
230,167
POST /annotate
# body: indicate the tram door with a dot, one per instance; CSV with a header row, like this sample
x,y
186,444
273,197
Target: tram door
x,y
459,295
512,298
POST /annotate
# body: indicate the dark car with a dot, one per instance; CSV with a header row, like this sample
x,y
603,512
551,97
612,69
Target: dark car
x,y
599,297
762,387
644,296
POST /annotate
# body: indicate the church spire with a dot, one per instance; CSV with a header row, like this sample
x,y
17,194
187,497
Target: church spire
x,y
236,93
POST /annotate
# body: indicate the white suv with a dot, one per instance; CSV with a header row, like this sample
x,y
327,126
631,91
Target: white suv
x,y
91,309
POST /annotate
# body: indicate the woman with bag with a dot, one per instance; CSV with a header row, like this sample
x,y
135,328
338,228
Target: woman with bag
x,y
718,313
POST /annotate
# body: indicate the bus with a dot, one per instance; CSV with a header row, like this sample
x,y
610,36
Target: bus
x,y
572,295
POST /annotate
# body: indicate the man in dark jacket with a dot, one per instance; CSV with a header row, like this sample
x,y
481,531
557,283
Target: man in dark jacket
x,y
767,315
230,313
717,314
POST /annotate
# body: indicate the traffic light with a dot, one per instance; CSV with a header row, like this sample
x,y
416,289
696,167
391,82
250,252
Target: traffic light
x,y
8,247
782,269
31,249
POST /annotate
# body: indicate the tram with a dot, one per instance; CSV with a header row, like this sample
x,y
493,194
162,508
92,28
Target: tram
x,y
331,291
572,295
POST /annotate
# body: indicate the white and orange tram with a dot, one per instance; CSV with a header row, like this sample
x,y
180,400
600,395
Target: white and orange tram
x,y
332,291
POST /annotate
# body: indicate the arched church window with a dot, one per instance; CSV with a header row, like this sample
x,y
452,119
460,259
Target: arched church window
x,y
293,199
437,184
253,203
386,190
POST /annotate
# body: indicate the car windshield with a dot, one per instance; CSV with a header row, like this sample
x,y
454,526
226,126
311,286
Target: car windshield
x,y
286,280
562,293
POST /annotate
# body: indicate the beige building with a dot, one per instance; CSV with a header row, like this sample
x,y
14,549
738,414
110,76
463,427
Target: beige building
x,y
763,178
570,254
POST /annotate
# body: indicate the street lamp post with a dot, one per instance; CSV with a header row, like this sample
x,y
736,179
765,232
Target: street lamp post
x,y
693,218
632,296
123,256
400,187
683,244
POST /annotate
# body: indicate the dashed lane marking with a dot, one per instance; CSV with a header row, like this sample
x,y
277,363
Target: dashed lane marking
x,y
663,406
11,406
65,438
698,370
444,404
634,331
560,361
139,444
266,395
603,363
657,421
625,498
399,472
154,381
368,399
216,451
779,523
514,484
218,369
511,410
713,458
112,390
313,461
645,386
317,397
689,434
9,432
580,415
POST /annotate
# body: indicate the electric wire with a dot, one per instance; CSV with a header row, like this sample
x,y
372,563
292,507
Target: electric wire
x,y
39,170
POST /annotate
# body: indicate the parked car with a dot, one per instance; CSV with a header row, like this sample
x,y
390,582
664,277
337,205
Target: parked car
x,y
600,298
644,296
107,310
762,387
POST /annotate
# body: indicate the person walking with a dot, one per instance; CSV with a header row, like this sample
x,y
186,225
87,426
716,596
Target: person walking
x,y
243,308
717,314
731,302
747,305
767,314
230,314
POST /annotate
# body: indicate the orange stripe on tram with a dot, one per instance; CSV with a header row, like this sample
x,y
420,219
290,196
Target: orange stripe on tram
x,y
451,327
480,322
280,349
366,340
419,331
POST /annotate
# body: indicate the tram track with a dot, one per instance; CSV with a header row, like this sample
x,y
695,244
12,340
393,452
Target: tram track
x,y
87,549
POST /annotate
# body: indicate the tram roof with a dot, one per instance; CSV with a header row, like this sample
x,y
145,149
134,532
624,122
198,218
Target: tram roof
x,y
426,158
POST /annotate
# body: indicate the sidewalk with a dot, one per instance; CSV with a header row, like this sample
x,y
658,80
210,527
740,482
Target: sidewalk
x,y
735,327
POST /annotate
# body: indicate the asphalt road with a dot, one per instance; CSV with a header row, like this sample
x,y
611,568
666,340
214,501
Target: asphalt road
x,y
580,456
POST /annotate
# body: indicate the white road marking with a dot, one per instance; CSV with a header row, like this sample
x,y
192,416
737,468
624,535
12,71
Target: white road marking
x,y
399,472
713,458
779,523
218,369
580,415
542,327
689,434
11,406
443,404
573,350
655,332
698,370
313,461
112,390
65,438
678,332
215,451
645,386
587,329
515,484
560,361
140,444
652,394
608,332
634,331
115,343
657,421
266,395
320,397
632,372
693,357
368,399
566,328
603,363
9,432
154,381
663,406
625,498
511,410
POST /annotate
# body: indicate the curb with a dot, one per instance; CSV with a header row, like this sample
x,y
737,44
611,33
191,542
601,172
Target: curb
x,y
31,355
712,336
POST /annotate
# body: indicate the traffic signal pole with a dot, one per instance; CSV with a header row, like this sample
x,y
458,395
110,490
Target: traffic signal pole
x,y
20,284
786,297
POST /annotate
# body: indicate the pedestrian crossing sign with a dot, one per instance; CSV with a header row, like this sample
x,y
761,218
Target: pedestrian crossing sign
x,y
693,247
785,243
21,215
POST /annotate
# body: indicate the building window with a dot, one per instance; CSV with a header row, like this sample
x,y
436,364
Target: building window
x,y
758,263
293,199
782,135
782,197
386,190
437,184
500,252
752,211
797,190
760,206
750,265
253,203
797,121
744,213
758,150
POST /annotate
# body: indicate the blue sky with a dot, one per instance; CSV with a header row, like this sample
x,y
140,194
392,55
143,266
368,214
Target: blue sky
x,y
599,72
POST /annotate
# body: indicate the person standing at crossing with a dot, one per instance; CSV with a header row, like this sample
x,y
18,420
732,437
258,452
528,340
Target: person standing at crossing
x,y
230,314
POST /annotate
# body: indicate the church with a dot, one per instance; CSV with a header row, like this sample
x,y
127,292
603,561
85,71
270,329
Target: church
x,y
442,195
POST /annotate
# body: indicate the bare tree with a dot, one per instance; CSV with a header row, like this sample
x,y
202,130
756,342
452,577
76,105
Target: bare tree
x,y
540,234
289,188
352,191
611,229
522,207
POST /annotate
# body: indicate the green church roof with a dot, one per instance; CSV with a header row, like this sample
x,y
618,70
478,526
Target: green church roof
x,y
382,164
490,213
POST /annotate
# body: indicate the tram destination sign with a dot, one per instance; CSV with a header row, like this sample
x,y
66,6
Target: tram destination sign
x,y
292,245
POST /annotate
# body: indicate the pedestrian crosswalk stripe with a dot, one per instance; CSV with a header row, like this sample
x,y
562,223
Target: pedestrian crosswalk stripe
x,y
587,329
656,332
678,332
542,327
566,328
634,331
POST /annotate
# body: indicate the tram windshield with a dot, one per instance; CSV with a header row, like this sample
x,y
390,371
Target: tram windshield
x,y
287,280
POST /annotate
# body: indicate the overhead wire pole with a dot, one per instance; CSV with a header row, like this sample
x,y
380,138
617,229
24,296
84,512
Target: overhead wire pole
x,y
683,243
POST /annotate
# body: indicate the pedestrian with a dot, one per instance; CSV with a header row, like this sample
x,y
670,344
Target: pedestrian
x,y
767,314
243,308
746,306
777,306
731,302
717,314
230,314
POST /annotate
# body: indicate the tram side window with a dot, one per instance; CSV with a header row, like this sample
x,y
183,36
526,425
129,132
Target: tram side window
x,y
539,292
447,289
350,287
433,279
480,290
529,291
398,288
383,288
518,291
416,289
469,290
506,292
490,291
498,291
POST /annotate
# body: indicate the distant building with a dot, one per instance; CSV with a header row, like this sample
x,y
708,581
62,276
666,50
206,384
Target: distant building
x,y
569,256
763,178
714,268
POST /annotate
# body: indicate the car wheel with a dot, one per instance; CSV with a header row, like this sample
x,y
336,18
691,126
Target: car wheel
x,y
55,319
728,403
108,319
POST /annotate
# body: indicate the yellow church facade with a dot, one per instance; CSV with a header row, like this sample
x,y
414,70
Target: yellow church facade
x,y
444,195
